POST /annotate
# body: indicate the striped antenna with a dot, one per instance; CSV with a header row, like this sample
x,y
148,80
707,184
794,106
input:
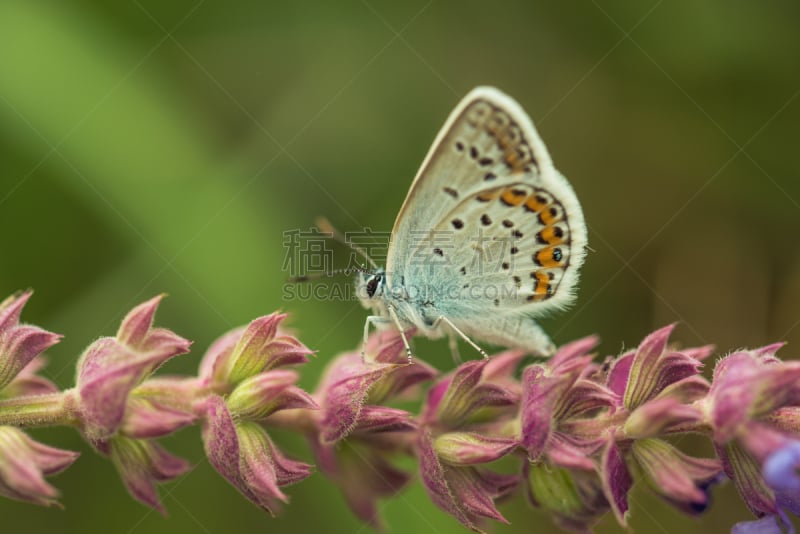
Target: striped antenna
x,y
325,226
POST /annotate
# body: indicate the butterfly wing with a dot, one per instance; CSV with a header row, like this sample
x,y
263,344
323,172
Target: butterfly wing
x,y
488,217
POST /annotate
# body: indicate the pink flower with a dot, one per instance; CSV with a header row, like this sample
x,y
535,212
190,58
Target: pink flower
x,y
243,364
242,452
28,382
467,421
355,439
248,351
23,465
754,406
111,368
119,410
560,404
147,417
19,344
563,424
142,464
464,491
655,385
258,397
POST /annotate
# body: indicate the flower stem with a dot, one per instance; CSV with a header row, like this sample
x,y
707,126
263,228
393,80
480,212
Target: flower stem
x,y
52,409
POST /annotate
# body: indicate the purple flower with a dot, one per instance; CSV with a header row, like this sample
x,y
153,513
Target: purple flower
x,y
23,465
355,439
468,420
19,344
769,524
655,386
781,474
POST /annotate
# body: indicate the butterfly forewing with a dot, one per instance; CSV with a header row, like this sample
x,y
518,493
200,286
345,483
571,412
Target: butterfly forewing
x,y
488,214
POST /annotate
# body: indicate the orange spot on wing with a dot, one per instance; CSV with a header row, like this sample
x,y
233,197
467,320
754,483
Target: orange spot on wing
x,y
549,257
514,159
550,236
541,286
513,197
548,216
535,204
486,196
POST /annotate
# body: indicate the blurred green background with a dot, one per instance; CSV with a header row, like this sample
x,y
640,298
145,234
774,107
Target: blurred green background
x,y
151,147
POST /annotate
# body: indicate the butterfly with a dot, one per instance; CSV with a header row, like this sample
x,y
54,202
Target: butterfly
x,y
490,236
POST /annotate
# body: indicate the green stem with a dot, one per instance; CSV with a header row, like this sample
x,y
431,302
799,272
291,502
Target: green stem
x,y
51,409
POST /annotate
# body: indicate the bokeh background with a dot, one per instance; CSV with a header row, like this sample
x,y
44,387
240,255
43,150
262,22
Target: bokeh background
x,y
151,147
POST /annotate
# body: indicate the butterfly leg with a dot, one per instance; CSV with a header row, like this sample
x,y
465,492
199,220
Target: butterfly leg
x,y
371,319
464,336
399,325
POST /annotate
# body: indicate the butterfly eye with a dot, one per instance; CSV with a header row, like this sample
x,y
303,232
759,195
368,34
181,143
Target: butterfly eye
x,y
372,285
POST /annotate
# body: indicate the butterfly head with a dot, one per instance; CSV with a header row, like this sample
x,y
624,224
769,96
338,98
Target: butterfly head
x,y
371,287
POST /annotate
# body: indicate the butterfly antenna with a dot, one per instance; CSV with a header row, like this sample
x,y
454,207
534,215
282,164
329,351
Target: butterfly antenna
x,y
325,226
317,276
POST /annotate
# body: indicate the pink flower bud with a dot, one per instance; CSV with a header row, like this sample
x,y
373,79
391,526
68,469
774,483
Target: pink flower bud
x,y
142,464
466,493
750,386
465,396
677,477
345,392
652,368
19,344
655,417
260,396
465,421
24,464
350,381
745,472
616,478
28,382
246,352
243,453
468,448
653,384
355,440
557,401
147,418
111,367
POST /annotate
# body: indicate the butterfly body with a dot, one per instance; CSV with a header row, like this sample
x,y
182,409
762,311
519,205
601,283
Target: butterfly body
x,y
490,234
